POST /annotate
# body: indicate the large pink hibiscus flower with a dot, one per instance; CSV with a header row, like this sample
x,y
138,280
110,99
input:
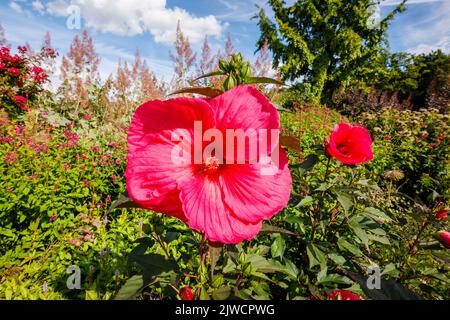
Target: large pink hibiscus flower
x,y
226,197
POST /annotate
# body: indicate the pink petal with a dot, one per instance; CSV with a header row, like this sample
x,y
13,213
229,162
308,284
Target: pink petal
x,y
206,211
162,118
152,177
254,196
244,107
154,167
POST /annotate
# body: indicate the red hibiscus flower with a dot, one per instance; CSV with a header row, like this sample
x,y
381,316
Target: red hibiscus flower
x,y
444,238
441,214
350,144
343,295
227,194
186,294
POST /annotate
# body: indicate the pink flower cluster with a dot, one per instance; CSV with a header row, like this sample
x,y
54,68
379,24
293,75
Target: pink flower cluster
x,y
72,139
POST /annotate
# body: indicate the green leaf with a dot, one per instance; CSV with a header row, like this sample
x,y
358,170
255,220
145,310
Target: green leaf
x,y
290,268
344,245
143,245
130,289
280,108
204,294
316,257
273,229
210,74
390,268
340,260
278,247
91,295
305,202
261,264
345,200
263,80
153,265
221,293
334,278
214,254
124,201
360,233
379,239
307,164
376,215
205,91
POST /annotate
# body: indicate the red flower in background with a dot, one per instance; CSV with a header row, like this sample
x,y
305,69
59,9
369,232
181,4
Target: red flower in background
x,y
444,238
343,295
39,74
14,71
441,214
350,144
20,99
186,294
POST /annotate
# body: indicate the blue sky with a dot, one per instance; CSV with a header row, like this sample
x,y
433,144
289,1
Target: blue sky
x,y
119,27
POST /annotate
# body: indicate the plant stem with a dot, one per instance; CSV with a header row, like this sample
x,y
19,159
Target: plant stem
x,y
412,247
319,208
163,247
419,234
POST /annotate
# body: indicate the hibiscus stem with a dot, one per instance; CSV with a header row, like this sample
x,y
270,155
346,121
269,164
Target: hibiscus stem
x,y
419,234
317,216
327,171
163,247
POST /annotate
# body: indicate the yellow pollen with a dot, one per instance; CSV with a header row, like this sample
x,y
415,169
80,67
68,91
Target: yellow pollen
x,y
211,164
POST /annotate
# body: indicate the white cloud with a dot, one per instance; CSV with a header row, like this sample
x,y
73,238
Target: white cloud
x,y
57,8
15,6
443,44
134,17
38,6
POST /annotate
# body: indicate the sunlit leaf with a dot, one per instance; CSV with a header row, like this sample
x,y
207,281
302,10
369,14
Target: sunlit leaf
x,y
273,229
130,289
124,201
205,91
210,74
263,80
290,142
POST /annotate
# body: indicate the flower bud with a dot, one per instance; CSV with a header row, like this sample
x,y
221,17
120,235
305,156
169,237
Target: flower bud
x,y
186,294
444,238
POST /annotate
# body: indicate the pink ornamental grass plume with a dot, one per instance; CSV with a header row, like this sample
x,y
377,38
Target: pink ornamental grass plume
x,y
224,196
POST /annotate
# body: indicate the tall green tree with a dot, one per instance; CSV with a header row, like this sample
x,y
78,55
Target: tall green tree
x,y
326,43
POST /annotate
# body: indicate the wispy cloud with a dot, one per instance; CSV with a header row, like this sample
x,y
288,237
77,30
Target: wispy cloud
x,y
241,10
15,6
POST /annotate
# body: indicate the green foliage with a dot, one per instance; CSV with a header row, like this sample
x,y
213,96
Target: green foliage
x,y
415,143
425,78
326,43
